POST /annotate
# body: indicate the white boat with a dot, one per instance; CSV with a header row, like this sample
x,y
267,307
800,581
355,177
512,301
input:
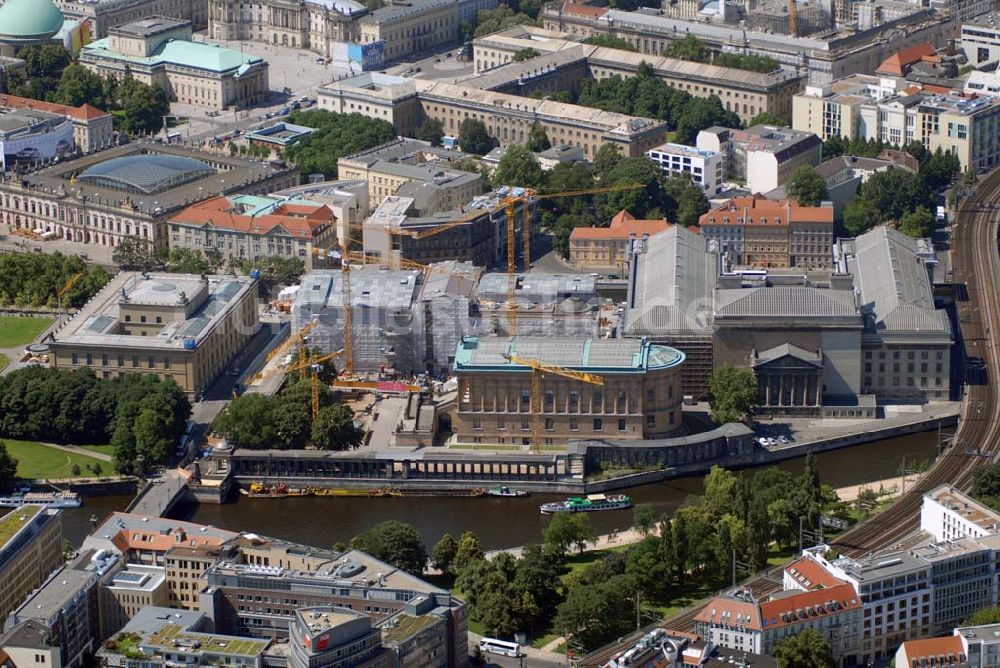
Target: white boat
x,y
47,499
592,503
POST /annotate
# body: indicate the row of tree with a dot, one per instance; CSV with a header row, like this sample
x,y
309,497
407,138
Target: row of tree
x,y
140,414
336,135
49,74
35,279
693,49
284,421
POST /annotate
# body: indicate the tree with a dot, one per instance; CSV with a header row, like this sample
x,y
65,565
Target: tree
x,y
537,576
431,131
860,215
336,135
766,118
758,534
595,614
894,192
518,167
918,223
644,518
246,422
134,254
986,484
566,530
641,202
78,85
984,617
813,489
751,62
689,48
333,429
609,41
939,169
489,21
807,186
443,553
606,158
526,54
538,141
700,113
469,549
807,649
153,437
188,261
396,543
733,394
473,136
724,551
646,566
689,201
143,107
8,468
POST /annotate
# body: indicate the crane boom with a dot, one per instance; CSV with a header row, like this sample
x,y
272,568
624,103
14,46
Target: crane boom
x,y
292,340
345,274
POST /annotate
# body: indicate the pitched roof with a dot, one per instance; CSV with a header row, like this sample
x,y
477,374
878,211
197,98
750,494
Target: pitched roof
x,y
583,10
810,575
84,112
808,606
258,215
780,301
948,650
760,211
898,63
728,611
623,225
133,539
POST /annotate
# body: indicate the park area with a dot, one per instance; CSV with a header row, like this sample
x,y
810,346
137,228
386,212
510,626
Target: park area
x,y
18,331
36,461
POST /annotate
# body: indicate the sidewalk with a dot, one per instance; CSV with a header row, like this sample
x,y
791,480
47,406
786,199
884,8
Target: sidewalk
x,y
77,450
892,487
614,539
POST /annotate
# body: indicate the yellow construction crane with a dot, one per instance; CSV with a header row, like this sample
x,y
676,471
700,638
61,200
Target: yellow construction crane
x,y
538,371
793,19
314,363
345,284
293,339
66,288
510,204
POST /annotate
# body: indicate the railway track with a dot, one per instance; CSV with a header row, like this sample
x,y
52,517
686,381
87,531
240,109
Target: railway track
x,y
976,263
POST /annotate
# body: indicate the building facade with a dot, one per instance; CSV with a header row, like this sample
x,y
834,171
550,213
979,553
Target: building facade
x,y
179,326
159,51
238,228
639,398
130,191
93,129
706,168
757,232
609,247
762,156
106,14
30,549
306,24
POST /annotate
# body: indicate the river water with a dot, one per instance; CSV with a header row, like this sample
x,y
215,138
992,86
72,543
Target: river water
x,y
499,523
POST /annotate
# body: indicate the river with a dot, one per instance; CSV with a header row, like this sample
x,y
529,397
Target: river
x,y
499,523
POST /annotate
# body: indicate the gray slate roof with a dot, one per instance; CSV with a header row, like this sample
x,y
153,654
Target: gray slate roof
x,y
777,301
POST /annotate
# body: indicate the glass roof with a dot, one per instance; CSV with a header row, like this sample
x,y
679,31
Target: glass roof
x,y
146,174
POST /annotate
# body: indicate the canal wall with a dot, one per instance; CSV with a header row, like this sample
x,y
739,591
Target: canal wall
x,y
640,462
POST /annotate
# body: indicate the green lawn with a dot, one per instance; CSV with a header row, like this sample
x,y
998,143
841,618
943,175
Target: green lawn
x,y
108,450
15,331
35,460
4,361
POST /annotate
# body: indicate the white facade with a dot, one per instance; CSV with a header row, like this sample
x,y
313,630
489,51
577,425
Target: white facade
x,y
981,43
762,171
705,167
947,514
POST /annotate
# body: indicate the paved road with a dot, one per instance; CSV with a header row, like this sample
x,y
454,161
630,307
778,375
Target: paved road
x,y
77,450
530,656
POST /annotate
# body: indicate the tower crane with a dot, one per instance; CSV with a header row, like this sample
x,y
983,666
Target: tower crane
x,y
66,288
793,19
538,371
308,362
295,339
510,204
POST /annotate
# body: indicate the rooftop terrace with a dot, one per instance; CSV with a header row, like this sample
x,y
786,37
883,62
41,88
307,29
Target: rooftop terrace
x,y
16,520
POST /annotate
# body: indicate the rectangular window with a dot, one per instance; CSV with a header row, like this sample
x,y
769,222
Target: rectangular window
x,y
621,424
104,359
477,423
574,425
121,360
135,361
549,424
501,423
166,362
574,401
650,421
90,359
525,397
152,362
598,424
74,358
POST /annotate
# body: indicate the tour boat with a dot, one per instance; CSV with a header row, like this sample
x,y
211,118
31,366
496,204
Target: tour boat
x,y
590,503
47,499
505,491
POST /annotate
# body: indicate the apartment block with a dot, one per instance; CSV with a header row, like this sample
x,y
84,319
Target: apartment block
x,y
639,399
609,247
30,549
706,168
762,156
980,40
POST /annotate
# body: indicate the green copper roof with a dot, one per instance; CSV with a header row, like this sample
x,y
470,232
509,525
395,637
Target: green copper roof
x,y
29,18
197,55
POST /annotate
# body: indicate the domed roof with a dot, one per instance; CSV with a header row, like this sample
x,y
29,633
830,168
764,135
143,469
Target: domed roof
x,y
22,19
146,173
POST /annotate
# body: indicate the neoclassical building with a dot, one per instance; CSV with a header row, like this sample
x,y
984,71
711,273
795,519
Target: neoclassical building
x,y
307,24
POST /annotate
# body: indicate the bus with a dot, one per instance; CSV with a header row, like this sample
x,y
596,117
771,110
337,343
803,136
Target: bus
x,y
494,646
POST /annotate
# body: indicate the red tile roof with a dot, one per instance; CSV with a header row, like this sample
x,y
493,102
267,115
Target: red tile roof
x,y
809,605
811,575
726,611
945,651
84,112
583,10
759,211
623,225
126,540
898,63
299,220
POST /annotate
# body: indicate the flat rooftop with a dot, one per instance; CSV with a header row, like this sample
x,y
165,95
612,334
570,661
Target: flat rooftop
x,y
138,578
173,638
578,353
98,324
320,619
16,520
149,26
401,627
971,510
280,133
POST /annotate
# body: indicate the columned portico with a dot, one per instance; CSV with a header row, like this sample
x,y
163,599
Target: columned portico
x,y
789,380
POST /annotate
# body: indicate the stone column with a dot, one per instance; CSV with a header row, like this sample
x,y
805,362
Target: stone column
x,y
781,389
767,390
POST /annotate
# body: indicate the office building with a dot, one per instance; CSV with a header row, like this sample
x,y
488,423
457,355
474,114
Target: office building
x,y
30,549
145,540
131,590
980,40
179,326
241,228
184,568
608,248
640,396
407,103
130,191
756,232
763,156
166,637
348,199
93,129
160,51
332,636
739,621
564,61
30,643
706,168
852,49
948,514
295,577
860,108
